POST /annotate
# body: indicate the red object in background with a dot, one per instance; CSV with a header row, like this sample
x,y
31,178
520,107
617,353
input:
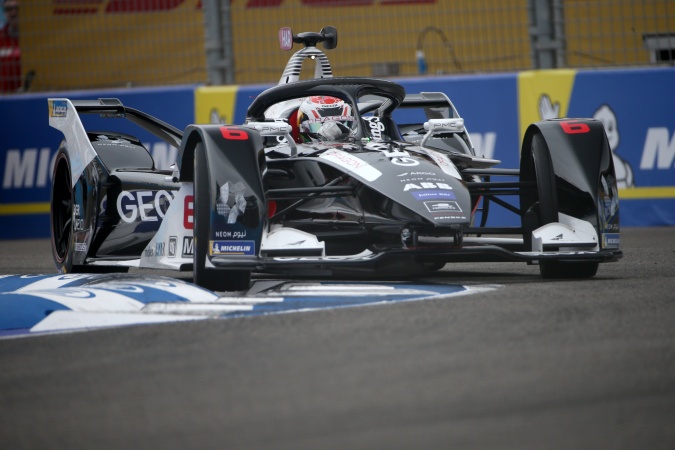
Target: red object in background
x,y
10,62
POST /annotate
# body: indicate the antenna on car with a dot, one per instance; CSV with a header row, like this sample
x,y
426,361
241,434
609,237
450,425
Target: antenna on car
x,y
322,69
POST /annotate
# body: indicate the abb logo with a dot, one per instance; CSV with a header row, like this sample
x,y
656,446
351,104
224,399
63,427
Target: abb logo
x,y
146,6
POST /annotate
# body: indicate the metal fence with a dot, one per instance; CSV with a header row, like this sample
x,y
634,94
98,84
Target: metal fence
x,y
85,44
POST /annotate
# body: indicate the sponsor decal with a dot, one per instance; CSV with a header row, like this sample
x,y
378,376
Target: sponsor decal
x,y
352,163
376,127
449,217
29,168
405,174
149,206
188,247
235,190
286,38
418,177
608,205
543,95
232,248
80,247
173,242
231,234
658,151
433,195
78,222
58,108
331,119
426,185
398,157
402,161
610,240
442,207
421,179
157,251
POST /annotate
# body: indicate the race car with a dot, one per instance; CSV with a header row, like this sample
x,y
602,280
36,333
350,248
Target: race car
x,y
328,176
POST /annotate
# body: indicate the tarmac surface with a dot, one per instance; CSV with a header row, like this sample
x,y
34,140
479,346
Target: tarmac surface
x,y
537,364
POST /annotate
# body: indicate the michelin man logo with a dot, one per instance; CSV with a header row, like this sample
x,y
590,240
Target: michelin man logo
x,y
216,117
548,109
624,172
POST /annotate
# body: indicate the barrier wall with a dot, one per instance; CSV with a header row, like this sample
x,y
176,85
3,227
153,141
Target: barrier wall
x,y
28,146
635,105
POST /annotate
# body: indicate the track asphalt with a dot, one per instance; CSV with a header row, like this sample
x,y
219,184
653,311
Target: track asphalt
x,y
534,365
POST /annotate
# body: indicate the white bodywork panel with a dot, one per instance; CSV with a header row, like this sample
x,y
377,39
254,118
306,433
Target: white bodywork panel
x,y
280,239
172,245
569,234
64,117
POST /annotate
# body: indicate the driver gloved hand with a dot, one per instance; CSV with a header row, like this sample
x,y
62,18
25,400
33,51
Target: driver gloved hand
x,y
333,131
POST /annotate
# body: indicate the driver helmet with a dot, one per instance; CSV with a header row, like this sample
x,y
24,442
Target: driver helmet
x,y
324,118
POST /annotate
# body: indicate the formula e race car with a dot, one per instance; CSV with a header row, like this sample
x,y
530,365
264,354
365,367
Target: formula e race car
x,y
323,178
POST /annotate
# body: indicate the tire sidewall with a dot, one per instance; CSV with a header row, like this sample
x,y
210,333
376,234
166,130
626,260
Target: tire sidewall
x,y
64,264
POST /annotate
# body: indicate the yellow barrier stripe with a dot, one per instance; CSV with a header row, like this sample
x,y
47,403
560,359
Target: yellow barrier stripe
x,y
636,193
24,208
646,193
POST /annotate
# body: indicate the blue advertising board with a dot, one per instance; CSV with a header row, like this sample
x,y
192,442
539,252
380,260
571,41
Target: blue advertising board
x,y
637,108
635,105
29,144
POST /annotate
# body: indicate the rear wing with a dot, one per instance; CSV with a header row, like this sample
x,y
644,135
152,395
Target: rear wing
x,y
428,100
64,116
112,107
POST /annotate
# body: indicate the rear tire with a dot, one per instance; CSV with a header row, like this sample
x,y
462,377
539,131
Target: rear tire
x,y
212,279
61,215
61,222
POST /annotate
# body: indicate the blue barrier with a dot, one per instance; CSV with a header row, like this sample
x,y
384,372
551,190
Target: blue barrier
x,y
29,144
634,104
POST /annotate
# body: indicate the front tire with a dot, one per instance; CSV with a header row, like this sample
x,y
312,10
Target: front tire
x,y
567,269
212,279
546,211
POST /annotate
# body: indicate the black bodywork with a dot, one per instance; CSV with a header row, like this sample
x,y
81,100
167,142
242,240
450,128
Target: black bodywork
x,y
392,198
